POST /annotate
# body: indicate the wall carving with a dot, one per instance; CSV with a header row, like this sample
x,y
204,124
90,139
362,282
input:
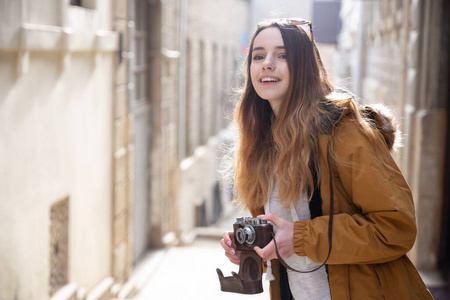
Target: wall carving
x,y
59,245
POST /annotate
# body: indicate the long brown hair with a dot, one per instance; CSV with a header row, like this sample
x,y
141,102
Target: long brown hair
x,y
284,148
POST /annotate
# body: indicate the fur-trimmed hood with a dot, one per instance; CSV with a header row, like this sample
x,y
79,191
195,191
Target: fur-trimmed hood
x,y
384,120
379,115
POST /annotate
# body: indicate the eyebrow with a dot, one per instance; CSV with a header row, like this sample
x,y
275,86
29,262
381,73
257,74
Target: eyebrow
x,y
262,48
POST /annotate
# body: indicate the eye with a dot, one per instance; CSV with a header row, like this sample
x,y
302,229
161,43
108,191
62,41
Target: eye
x,y
258,57
282,56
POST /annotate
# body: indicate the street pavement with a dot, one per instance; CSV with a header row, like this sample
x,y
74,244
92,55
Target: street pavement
x,y
189,272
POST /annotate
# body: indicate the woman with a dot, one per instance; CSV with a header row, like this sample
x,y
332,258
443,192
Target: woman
x,y
317,165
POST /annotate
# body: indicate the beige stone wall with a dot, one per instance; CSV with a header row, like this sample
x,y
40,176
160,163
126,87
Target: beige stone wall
x,y
122,240
56,63
391,49
428,121
163,97
66,128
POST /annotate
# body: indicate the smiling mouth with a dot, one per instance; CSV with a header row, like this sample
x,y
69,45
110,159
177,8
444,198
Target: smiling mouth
x,y
269,79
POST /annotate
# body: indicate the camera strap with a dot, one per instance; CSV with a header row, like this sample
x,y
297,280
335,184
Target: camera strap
x,y
330,225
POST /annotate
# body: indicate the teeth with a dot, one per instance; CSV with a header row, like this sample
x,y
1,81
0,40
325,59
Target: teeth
x,y
268,79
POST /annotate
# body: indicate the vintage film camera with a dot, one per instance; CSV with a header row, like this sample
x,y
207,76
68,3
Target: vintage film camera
x,y
248,233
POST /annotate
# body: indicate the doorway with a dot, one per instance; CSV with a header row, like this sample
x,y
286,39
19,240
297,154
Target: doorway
x,y
141,123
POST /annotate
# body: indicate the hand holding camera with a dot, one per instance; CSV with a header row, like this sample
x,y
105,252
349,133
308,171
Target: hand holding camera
x,y
228,245
284,239
248,233
285,232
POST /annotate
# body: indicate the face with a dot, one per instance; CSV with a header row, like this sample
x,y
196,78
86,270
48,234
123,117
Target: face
x,y
269,69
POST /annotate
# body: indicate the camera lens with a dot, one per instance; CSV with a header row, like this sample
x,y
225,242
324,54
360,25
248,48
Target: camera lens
x,y
250,234
240,236
246,235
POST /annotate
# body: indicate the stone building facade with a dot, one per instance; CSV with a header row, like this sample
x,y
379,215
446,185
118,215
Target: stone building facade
x,y
110,113
211,67
56,100
397,53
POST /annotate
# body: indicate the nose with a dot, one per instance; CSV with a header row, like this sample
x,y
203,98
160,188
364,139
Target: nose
x,y
268,63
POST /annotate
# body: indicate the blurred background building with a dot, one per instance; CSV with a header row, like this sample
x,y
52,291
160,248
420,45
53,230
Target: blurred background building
x,y
114,115
397,53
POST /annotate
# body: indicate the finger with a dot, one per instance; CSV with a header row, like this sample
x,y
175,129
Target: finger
x,y
227,237
259,251
266,253
272,218
227,248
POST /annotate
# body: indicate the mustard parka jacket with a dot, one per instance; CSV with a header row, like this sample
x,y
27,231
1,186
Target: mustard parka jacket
x,y
373,224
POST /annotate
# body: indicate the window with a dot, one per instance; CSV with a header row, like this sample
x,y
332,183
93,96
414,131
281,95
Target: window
x,y
76,2
59,245
91,4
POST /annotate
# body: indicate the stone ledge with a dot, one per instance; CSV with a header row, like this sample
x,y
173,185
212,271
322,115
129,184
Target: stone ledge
x,y
35,37
127,291
102,291
67,292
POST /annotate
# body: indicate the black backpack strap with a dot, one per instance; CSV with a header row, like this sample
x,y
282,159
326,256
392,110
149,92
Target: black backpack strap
x,y
284,285
315,205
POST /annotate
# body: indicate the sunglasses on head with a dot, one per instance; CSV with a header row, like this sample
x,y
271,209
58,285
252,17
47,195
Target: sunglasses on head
x,y
292,22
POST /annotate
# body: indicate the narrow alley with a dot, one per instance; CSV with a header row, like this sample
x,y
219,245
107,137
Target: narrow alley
x,y
118,146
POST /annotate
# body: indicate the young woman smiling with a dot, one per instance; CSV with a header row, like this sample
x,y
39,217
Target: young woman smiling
x,y
318,166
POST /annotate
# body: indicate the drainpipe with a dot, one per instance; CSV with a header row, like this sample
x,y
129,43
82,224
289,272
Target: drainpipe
x,y
361,49
182,81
